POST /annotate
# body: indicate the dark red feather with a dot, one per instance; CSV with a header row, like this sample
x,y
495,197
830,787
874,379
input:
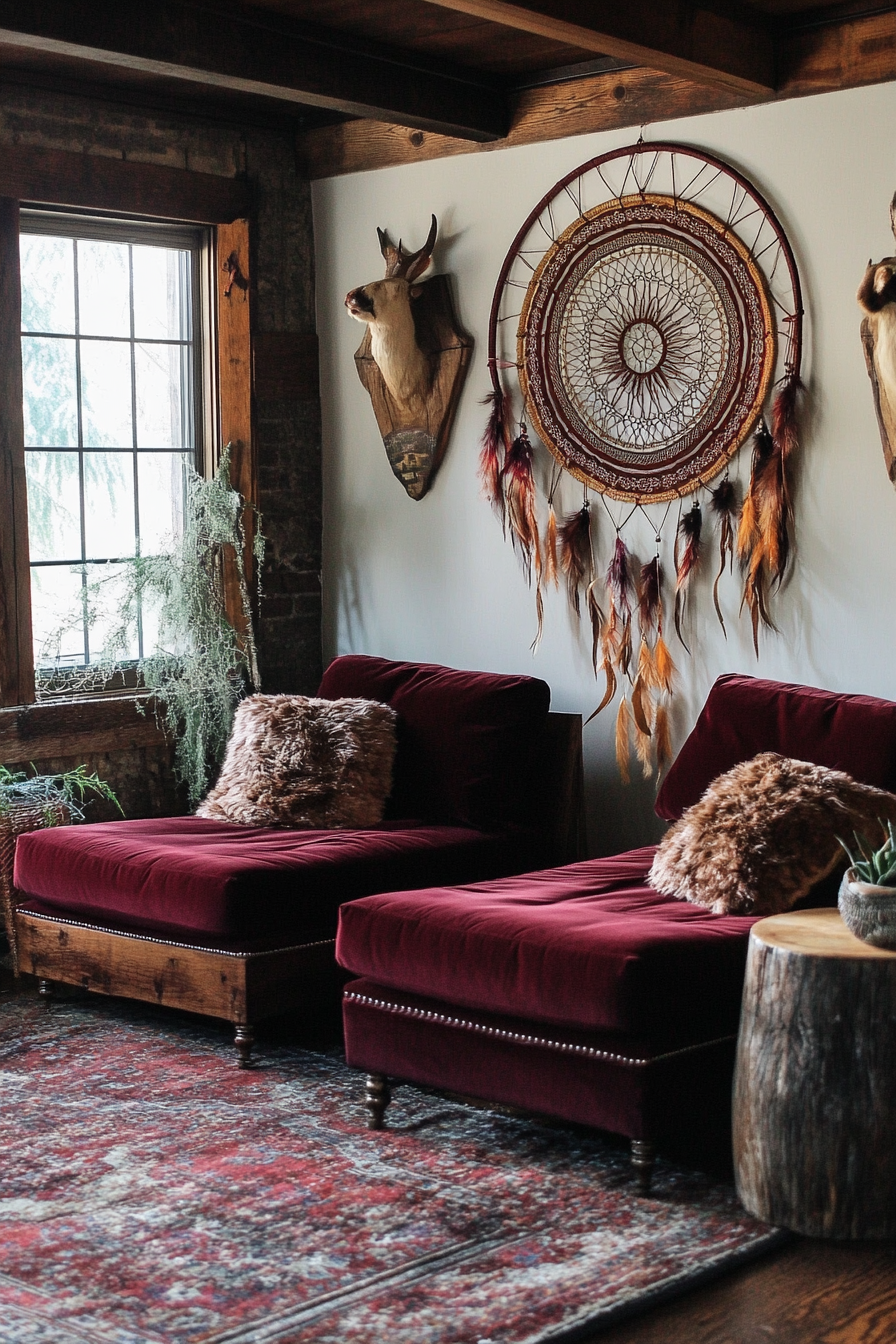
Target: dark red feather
x,y
649,597
688,558
723,504
620,588
495,443
519,501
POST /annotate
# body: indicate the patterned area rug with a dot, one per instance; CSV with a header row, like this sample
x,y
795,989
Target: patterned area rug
x,y
151,1193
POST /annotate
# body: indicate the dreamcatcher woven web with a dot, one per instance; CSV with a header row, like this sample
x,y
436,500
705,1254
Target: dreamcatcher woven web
x,y
648,307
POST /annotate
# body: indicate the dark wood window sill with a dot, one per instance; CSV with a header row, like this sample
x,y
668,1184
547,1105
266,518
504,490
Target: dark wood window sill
x,y
73,727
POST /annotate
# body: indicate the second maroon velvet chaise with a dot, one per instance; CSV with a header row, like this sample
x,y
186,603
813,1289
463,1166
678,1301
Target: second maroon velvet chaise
x,y
580,991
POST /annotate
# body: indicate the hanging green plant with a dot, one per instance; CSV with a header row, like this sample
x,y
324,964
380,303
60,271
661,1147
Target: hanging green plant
x,y
201,666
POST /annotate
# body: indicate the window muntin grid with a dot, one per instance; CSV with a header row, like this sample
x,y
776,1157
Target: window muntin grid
x,y
112,383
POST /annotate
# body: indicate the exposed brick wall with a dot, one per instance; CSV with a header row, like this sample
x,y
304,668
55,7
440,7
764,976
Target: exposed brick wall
x,y
287,430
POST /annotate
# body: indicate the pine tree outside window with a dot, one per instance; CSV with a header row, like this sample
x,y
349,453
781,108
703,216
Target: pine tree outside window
x,y
112,363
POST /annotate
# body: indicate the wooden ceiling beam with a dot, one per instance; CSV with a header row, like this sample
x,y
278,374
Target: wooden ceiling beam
x,y
598,103
820,58
823,56
236,49
702,43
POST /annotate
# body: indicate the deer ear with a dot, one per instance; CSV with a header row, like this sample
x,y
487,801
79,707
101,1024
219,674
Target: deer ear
x,y
415,291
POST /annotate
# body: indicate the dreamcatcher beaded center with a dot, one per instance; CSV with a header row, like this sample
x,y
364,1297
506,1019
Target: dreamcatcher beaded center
x,y
646,346
650,309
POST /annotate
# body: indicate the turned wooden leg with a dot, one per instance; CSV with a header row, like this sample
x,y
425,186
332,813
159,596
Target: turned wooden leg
x,y
378,1098
643,1159
47,991
243,1039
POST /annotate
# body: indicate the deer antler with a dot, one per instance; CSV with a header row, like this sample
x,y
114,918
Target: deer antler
x,y
407,265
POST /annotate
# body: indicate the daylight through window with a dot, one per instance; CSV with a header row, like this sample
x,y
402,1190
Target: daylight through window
x,y
110,357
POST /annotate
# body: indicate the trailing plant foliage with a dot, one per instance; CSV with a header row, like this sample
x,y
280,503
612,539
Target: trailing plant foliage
x,y
70,788
201,666
876,867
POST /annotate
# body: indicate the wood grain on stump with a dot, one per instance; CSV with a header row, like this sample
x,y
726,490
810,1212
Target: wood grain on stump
x,y
815,1081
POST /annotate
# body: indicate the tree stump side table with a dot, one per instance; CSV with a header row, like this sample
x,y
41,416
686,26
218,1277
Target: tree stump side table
x,y
815,1080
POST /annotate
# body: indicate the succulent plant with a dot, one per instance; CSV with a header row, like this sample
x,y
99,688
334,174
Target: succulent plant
x,y
876,867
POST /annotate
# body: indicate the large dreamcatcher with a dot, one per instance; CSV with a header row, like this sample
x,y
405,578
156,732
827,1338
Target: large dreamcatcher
x,y
650,308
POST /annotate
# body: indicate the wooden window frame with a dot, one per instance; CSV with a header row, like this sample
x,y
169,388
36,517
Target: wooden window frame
x,y
57,178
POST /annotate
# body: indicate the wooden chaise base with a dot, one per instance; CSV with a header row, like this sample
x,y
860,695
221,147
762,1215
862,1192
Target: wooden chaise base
x,y
379,1094
242,987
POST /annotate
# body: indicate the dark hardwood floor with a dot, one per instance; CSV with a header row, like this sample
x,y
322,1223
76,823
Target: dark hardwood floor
x,y
809,1292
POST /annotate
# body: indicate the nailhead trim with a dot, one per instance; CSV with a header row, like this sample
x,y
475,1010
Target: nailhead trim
x,y
564,1047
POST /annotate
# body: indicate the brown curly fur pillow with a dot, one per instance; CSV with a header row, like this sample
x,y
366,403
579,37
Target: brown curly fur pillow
x,y
763,834
299,762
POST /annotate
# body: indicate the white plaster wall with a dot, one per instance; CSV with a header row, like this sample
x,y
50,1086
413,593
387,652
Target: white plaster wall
x,y
434,580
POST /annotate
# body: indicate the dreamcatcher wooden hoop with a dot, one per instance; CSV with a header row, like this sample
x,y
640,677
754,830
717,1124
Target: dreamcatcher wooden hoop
x,y
649,305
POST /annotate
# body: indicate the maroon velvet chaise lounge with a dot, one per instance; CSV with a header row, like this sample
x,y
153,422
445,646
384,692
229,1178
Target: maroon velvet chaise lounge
x,y
580,992
239,922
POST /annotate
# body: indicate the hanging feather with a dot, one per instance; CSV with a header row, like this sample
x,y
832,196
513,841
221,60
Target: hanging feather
x,y
551,571
641,704
609,692
519,497
756,514
688,558
785,436
623,734
576,559
596,617
495,443
649,588
644,750
663,738
619,586
748,529
723,504
663,666
539,616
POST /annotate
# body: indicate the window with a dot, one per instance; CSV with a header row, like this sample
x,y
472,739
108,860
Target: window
x,y
75,191
112,362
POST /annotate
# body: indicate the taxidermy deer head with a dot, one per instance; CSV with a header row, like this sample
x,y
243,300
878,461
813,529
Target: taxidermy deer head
x,y
385,305
877,298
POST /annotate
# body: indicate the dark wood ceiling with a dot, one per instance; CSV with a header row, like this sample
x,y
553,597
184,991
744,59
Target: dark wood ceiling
x,y
373,81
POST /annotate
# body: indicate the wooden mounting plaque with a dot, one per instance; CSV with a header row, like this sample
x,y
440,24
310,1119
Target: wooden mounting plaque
x,y
415,451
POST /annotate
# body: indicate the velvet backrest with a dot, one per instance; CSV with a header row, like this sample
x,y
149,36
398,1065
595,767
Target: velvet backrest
x,y
746,715
468,742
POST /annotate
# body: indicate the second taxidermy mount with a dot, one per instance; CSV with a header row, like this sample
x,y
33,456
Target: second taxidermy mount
x,y
877,298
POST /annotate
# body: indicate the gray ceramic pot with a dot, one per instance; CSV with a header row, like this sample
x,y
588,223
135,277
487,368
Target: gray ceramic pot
x,y
868,911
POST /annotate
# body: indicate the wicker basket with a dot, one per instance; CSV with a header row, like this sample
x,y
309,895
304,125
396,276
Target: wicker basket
x,y
13,823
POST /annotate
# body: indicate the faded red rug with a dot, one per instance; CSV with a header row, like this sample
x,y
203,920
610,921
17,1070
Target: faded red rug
x,y
151,1193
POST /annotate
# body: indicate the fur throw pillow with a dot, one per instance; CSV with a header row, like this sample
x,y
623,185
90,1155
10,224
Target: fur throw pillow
x,y
763,834
294,761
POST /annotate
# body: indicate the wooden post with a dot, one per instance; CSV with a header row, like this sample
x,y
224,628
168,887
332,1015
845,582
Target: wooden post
x,y
815,1080
16,655
234,307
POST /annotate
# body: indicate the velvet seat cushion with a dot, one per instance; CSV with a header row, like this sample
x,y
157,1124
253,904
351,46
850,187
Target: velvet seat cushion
x,y
198,878
744,716
467,741
589,946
